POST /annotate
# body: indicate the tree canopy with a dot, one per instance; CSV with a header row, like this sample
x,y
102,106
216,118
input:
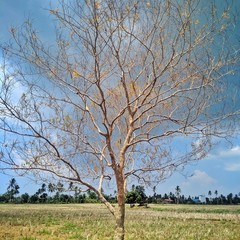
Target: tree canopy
x,y
122,85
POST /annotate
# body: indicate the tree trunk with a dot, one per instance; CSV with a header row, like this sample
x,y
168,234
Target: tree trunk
x,y
120,211
119,217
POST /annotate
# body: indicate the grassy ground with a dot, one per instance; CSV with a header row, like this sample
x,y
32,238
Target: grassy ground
x,y
93,221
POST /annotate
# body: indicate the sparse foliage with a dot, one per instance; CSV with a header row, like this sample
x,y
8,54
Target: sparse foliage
x,y
123,84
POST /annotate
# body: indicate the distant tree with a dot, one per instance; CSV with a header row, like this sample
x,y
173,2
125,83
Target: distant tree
x,y
64,198
223,199
177,192
136,195
235,199
92,196
141,194
34,198
210,196
51,187
60,187
230,198
156,199
216,194
189,200
12,189
41,193
182,199
76,190
81,198
43,197
172,196
131,197
4,198
24,198
166,196
43,188
154,191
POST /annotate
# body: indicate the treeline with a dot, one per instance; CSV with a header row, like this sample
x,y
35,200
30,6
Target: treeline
x,y
58,193
51,193
171,198
137,195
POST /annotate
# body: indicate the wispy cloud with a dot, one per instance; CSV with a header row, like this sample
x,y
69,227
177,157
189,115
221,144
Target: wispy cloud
x,y
233,167
230,158
9,80
199,183
227,153
201,178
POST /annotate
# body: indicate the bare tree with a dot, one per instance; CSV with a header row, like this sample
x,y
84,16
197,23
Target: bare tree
x,y
130,89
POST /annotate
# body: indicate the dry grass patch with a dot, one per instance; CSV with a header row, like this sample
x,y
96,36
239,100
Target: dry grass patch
x,y
93,221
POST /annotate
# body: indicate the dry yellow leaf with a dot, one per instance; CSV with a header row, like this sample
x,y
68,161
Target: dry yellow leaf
x,y
76,74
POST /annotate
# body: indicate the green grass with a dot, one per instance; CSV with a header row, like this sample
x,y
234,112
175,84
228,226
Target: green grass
x,y
231,209
93,221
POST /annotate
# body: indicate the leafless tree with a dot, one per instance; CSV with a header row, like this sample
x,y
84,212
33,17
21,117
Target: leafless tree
x,y
129,89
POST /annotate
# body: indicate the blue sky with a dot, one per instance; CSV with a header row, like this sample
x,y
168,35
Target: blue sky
x,y
220,170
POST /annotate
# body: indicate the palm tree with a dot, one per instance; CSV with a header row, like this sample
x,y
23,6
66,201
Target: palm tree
x,y
216,193
42,193
178,191
60,187
209,194
51,187
12,189
154,191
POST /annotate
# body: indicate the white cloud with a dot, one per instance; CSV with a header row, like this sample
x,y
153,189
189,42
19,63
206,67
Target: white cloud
x,y
201,178
199,183
17,92
229,157
226,154
233,167
9,79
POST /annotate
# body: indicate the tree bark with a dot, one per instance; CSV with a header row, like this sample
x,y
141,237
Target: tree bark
x,y
120,211
119,217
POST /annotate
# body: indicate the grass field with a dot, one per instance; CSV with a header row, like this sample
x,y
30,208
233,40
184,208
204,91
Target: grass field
x,y
93,221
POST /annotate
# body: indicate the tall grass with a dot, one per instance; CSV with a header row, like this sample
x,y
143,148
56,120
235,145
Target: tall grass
x,y
92,221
